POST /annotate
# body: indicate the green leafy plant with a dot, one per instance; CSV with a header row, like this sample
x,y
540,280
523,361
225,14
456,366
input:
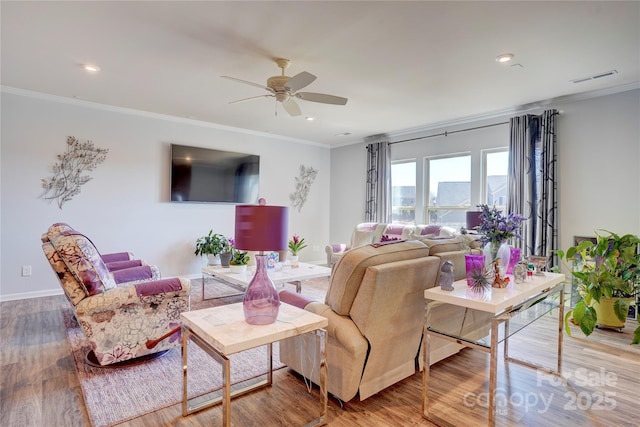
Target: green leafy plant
x,y
212,244
610,268
296,244
239,257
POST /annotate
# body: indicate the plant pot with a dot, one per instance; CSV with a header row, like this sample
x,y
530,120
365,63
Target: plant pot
x,y
606,316
213,259
294,261
238,268
225,258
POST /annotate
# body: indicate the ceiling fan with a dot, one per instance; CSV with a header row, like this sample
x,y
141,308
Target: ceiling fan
x,y
285,89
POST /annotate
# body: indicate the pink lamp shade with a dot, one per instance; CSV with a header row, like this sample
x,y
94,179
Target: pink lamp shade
x,y
261,228
473,219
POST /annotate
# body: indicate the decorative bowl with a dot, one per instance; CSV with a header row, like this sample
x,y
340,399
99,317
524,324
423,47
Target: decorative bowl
x,y
539,262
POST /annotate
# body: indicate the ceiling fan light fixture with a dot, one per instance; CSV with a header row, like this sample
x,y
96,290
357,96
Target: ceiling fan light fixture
x,y
505,57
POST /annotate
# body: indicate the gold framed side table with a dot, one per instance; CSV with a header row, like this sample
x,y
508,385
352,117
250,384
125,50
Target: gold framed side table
x,y
222,331
513,307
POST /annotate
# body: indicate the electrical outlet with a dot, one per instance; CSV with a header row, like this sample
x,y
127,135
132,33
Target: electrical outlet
x,y
26,270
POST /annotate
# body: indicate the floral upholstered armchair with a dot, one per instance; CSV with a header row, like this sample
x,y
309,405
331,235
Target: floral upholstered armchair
x,y
125,313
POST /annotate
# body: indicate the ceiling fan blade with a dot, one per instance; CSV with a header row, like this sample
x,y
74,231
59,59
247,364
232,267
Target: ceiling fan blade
x,y
291,107
321,97
248,83
299,81
249,99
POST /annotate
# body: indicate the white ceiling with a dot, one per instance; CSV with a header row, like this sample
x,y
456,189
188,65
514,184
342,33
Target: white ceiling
x,y
401,64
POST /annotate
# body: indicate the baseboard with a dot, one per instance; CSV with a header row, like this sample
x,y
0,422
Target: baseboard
x,y
53,292
28,295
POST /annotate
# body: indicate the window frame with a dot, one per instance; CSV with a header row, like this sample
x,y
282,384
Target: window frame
x,y
427,184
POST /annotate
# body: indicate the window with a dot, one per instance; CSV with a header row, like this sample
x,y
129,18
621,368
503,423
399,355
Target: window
x,y
403,192
449,187
495,167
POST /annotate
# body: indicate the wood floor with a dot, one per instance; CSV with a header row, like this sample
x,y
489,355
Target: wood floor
x,y
40,387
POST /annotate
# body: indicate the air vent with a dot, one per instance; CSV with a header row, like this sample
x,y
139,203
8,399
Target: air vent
x,y
595,76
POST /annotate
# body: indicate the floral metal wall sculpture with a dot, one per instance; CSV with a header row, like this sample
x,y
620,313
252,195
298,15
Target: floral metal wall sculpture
x,y
303,185
68,172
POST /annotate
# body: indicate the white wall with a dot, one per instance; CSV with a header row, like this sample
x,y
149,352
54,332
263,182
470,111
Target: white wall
x,y
125,206
598,155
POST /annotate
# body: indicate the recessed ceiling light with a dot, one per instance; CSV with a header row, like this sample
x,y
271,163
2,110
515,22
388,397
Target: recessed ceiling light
x,y
343,134
310,119
505,57
91,68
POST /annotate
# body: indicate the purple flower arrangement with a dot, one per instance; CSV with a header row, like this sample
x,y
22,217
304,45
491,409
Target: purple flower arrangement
x,y
497,228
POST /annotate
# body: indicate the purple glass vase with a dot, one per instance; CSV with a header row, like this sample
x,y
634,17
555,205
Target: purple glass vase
x,y
261,301
474,265
513,259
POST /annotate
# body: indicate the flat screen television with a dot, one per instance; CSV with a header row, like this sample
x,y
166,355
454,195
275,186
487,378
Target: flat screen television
x,y
213,176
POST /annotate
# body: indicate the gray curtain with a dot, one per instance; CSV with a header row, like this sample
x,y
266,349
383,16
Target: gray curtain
x,y
378,202
533,182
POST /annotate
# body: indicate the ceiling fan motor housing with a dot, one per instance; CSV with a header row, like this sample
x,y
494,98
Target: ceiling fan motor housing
x,y
277,82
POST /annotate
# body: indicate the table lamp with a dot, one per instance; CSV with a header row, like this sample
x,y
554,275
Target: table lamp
x,y
474,220
261,228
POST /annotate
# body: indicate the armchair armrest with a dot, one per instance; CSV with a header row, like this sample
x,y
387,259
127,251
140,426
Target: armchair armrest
x,y
121,265
117,256
136,274
114,299
334,251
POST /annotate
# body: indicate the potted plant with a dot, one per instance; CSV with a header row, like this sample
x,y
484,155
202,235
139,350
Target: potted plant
x,y
212,245
239,261
296,244
608,277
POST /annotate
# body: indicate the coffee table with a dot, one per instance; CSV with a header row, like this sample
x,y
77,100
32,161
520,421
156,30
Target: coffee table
x,y
222,331
517,304
294,276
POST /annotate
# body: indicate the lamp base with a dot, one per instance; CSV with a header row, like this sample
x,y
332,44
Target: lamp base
x,y
261,302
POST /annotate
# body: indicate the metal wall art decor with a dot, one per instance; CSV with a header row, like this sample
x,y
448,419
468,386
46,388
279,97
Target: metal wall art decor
x,y
303,185
68,172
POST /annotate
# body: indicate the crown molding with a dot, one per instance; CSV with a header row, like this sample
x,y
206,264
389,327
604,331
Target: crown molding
x,y
147,114
522,109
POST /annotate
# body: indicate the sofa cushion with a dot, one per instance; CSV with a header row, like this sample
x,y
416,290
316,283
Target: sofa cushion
x,y
83,261
446,244
350,269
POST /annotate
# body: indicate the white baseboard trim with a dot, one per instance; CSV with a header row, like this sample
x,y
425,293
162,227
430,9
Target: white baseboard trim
x,y
52,292
27,295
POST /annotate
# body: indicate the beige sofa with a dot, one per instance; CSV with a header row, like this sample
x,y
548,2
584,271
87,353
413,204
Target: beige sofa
x,y
367,233
376,310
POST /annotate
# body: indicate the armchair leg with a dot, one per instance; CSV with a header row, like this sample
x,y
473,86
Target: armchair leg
x,y
91,360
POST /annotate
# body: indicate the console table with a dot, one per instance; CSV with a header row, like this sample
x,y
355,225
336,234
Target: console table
x,y
518,304
222,331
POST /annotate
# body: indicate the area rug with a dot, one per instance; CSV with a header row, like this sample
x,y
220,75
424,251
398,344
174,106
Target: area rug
x,y
116,395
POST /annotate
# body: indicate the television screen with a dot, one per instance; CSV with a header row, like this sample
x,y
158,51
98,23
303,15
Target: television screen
x,y
207,175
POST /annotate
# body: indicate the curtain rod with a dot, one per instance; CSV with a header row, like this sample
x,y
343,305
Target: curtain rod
x,y
446,133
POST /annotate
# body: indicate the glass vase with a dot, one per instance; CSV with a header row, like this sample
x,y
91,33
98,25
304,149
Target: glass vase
x,y
493,251
514,258
261,301
474,266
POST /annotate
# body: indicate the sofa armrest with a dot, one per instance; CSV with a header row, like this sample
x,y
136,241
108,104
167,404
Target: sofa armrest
x,y
294,298
340,328
135,294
